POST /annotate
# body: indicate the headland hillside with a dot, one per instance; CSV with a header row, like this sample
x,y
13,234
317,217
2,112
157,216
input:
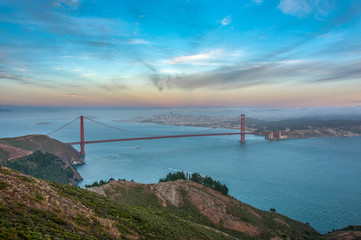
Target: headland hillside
x,y
41,156
293,128
37,209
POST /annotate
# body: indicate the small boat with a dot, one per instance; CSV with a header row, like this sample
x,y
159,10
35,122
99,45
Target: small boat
x,y
137,147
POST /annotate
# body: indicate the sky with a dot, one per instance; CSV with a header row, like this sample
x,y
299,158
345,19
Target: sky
x,y
180,53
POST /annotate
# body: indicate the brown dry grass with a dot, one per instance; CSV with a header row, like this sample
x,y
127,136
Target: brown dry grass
x,y
65,208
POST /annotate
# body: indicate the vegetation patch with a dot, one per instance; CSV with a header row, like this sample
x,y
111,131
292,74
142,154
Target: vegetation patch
x,y
3,185
42,165
196,177
38,197
98,184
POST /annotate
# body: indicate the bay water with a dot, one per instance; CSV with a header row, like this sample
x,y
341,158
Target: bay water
x,y
316,180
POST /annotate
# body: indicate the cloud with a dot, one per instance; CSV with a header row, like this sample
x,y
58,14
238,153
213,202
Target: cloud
x,y
226,21
258,1
159,80
113,86
75,95
341,72
46,17
347,16
25,80
138,41
98,43
295,7
18,78
71,3
193,58
301,8
262,74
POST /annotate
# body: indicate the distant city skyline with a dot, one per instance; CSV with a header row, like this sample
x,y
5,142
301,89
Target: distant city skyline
x,y
180,53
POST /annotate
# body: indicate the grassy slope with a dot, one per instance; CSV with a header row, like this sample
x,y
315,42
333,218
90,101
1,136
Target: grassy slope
x,y
36,209
348,233
3,154
232,214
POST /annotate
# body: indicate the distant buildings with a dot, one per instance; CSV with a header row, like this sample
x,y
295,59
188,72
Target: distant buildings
x,y
276,135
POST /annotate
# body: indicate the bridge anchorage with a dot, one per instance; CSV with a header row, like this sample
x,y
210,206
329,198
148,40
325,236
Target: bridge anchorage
x,y
82,142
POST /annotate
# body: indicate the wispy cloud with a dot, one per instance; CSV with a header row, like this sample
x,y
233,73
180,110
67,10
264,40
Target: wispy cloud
x,y
295,7
302,8
194,58
113,86
18,78
258,1
306,72
138,41
71,3
226,21
25,80
75,95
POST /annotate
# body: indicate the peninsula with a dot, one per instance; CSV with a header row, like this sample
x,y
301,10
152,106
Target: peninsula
x,y
41,156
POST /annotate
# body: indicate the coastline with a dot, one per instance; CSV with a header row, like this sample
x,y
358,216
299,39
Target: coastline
x,y
292,134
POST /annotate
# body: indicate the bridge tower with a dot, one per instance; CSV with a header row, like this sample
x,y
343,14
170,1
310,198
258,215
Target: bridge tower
x,y
82,143
243,128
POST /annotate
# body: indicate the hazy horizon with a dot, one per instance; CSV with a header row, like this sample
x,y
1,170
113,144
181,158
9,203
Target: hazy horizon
x,y
258,112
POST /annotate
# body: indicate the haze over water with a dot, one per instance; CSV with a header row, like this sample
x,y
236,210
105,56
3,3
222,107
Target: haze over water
x,y
311,180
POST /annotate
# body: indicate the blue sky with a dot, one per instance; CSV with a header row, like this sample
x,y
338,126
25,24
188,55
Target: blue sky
x,y
266,53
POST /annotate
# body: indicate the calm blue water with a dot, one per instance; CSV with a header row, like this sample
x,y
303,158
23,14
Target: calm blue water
x,y
311,180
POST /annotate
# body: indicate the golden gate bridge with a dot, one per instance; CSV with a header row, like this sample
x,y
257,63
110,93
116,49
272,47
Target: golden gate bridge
x,y
82,141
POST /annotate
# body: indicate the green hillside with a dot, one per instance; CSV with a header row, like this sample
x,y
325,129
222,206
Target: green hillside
x,y
204,205
36,209
31,208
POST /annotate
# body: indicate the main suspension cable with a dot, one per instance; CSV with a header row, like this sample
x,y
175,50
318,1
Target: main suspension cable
x,y
120,129
62,126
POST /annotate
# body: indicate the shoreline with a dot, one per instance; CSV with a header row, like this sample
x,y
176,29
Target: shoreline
x,y
311,132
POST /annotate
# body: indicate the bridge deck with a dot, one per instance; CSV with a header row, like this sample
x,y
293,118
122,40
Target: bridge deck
x,y
162,137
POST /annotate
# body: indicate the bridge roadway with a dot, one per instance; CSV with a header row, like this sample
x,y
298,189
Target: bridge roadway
x,y
162,137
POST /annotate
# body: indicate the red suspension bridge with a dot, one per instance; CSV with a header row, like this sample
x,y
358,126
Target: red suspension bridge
x,y
82,141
